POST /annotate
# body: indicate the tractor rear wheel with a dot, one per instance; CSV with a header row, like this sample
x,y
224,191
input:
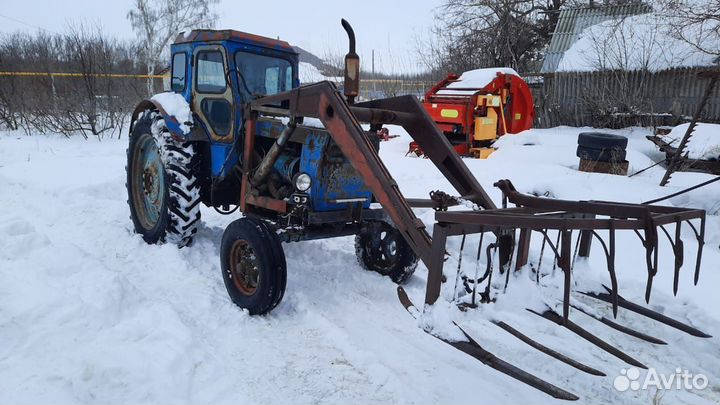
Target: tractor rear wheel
x,y
253,265
163,192
381,248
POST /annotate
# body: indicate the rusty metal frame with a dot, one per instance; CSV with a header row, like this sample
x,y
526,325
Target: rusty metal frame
x,y
323,101
531,214
534,214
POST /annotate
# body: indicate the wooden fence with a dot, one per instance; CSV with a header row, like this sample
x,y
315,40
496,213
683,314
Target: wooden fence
x,y
615,99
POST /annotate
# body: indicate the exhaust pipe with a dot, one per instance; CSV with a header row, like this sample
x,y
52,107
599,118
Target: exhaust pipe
x,y
352,66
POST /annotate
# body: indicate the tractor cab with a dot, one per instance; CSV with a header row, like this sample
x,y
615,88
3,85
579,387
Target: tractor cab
x,y
218,72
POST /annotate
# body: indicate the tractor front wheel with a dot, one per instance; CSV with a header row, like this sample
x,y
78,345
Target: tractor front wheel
x,y
253,265
381,248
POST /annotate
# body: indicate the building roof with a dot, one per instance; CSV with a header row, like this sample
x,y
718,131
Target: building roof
x,y
572,22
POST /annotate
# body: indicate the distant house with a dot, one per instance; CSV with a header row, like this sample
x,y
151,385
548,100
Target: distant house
x,y
573,21
628,38
617,66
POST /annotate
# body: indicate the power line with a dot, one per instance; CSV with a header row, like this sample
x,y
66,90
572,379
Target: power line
x,y
26,23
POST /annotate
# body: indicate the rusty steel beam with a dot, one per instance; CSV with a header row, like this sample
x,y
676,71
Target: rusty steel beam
x,y
323,101
437,147
363,114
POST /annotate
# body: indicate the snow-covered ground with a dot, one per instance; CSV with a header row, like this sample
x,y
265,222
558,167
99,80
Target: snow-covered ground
x,y
89,313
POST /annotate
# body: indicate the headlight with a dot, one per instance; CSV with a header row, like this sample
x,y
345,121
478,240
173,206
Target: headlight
x,y
302,182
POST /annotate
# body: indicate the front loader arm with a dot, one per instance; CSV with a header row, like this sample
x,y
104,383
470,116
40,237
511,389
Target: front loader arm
x,y
323,101
426,133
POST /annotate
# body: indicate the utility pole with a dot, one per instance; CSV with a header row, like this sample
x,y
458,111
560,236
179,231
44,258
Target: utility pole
x,y
373,73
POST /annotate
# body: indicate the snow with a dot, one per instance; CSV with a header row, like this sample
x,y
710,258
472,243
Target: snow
x,y
307,122
636,42
704,143
308,73
90,313
175,105
475,79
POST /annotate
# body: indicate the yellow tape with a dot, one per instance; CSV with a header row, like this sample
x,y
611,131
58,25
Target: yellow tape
x,y
109,75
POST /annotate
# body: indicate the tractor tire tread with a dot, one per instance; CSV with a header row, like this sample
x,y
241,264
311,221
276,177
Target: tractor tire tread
x,y
182,186
268,251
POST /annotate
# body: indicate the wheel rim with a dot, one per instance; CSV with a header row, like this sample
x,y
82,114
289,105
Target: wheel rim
x,y
244,269
382,249
148,182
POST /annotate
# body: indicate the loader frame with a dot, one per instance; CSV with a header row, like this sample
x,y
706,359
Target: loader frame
x,y
342,120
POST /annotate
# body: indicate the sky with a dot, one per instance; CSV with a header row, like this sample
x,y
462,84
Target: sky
x,y
390,27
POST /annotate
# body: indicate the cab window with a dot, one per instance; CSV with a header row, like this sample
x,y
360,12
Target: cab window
x,y
178,73
210,72
263,75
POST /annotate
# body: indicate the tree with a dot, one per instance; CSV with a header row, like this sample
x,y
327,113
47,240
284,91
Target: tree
x,y
157,22
472,34
92,103
697,22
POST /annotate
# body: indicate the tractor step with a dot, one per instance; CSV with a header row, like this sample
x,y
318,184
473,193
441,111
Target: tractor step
x,y
473,348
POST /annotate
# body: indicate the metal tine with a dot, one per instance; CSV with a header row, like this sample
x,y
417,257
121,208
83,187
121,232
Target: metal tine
x,y
550,352
679,251
473,348
542,252
564,258
621,328
701,242
457,275
557,255
565,250
554,248
577,248
512,253
610,260
676,271
651,255
552,316
489,270
679,255
477,265
700,236
649,313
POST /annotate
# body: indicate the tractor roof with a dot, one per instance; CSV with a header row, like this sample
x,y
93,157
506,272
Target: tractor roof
x,y
232,35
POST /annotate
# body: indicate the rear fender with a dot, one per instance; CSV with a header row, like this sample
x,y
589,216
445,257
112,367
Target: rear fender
x,y
197,133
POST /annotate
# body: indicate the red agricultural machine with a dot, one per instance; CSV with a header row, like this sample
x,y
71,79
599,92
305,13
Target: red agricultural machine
x,y
477,107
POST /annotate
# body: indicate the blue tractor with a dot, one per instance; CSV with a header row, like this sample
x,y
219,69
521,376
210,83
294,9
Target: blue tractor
x,y
202,143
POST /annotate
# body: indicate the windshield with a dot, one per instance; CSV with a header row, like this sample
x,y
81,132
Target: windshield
x,y
264,75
